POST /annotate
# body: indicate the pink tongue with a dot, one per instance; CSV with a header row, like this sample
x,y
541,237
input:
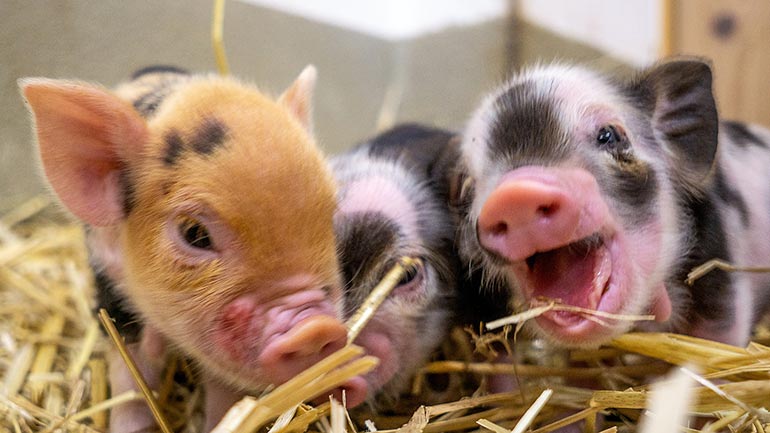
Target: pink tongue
x,y
563,275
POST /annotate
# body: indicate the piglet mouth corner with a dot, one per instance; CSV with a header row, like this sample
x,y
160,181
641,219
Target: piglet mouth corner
x,y
576,274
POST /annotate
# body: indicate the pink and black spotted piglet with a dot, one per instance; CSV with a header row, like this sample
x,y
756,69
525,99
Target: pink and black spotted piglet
x,y
603,193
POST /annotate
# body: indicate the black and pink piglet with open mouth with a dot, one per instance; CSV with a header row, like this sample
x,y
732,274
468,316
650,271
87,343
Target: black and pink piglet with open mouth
x,y
604,193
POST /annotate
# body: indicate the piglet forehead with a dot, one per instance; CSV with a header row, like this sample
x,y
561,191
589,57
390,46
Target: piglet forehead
x,y
380,194
223,148
579,95
241,107
231,143
540,106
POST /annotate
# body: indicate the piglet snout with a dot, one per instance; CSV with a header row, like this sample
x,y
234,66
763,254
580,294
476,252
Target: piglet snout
x,y
303,345
536,209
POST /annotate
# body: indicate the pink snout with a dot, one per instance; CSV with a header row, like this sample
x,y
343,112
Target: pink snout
x,y
536,209
303,345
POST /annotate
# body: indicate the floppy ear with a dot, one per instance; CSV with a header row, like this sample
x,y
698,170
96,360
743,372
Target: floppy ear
x,y
451,175
298,98
681,101
85,134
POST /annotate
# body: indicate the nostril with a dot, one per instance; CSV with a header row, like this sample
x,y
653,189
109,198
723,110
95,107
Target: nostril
x,y
547,210
309,337
329,347
289,355
320,346
308,352
498,229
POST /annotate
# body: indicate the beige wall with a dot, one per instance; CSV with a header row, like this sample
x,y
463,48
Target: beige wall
x,y
736,37
438,77
630,30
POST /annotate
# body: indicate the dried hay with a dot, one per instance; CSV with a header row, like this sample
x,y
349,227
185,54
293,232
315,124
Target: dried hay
x,y
53,367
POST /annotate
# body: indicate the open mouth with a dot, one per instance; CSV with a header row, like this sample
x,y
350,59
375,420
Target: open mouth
x,y
576,274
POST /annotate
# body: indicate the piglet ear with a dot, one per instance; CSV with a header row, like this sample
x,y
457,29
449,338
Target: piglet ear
x,y
678,92
298,98
450,174
85,136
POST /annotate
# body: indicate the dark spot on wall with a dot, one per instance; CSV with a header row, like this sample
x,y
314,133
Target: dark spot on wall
x,y
208,136
174,147
724,25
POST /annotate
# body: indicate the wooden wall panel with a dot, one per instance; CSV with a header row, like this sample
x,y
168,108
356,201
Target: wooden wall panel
x,y
736,36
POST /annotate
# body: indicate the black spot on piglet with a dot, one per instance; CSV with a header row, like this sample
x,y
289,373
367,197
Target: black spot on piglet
x,y
174,147
209,135
741,135
109,298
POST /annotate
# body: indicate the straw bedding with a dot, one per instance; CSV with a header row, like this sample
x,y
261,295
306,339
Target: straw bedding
x,y
54,373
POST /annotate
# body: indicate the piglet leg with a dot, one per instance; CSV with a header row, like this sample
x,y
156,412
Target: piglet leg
x,y
149,355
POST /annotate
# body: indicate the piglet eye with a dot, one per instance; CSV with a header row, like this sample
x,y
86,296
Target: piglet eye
x,y
413,273
195,233
613,139
608,135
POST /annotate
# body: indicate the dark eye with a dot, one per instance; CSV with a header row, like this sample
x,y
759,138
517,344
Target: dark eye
x,y
195,233
608,135
412,273
613,139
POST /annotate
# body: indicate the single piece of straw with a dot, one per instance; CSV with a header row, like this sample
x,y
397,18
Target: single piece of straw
x,y
143,387
699,271
489,425
366,311
529,416
556,306
217,42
